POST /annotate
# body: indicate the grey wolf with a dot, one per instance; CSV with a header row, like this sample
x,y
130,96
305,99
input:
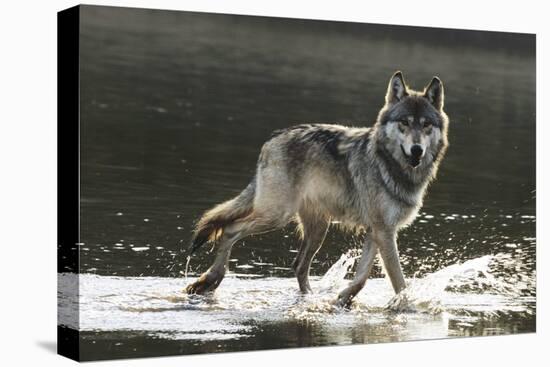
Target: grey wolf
x,y
369,179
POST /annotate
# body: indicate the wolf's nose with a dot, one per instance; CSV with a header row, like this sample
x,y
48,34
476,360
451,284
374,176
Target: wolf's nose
x,y
416,151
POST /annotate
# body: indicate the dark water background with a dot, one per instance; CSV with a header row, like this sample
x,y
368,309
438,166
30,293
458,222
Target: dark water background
x,y
175,107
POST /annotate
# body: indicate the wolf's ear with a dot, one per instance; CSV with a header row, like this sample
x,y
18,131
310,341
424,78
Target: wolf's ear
x,y
434,93
397,89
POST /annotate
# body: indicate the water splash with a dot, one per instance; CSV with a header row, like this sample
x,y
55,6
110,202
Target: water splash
x,y
438,292
426,294
334,277
188,260
444,301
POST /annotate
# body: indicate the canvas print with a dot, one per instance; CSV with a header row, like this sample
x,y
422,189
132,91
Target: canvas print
x,y
236,183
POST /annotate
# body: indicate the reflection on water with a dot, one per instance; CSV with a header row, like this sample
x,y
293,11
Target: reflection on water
x,y
174,110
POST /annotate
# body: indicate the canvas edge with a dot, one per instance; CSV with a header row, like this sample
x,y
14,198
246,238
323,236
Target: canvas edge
x,y
68,175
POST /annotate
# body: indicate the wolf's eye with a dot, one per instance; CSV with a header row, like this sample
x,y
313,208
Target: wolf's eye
x,y
427,123
404,122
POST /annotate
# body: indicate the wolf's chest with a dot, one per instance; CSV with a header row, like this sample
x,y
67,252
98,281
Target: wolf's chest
x,y
402,215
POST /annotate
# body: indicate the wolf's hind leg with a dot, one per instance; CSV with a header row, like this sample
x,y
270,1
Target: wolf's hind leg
x,y
370,248
211,279
314,228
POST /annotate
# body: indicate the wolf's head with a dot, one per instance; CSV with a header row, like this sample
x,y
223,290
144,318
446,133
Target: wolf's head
x,y
412,125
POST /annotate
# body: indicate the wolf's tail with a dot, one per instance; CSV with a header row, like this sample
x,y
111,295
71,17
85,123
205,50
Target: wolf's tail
x,y
212,223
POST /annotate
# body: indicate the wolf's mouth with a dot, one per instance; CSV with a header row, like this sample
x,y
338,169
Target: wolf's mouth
x,y
412,160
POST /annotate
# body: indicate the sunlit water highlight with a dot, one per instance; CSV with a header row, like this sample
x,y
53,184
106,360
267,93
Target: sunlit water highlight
x,y
461,294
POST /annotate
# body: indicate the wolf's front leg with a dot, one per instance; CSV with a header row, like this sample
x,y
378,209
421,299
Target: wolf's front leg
x,y
387,243
370,248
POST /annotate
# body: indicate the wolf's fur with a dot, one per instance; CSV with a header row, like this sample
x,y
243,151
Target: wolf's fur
x,y
367,178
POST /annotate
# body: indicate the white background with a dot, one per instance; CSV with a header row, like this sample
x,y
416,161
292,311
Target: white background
x,y
28,181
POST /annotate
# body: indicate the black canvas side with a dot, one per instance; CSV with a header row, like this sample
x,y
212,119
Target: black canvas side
x,y
68,24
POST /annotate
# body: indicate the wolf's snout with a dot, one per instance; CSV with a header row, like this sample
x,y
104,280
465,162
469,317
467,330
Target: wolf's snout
x,y
416,151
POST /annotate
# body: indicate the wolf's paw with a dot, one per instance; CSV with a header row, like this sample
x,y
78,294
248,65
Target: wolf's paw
x,y
305,287
207,282
400,303
343,301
